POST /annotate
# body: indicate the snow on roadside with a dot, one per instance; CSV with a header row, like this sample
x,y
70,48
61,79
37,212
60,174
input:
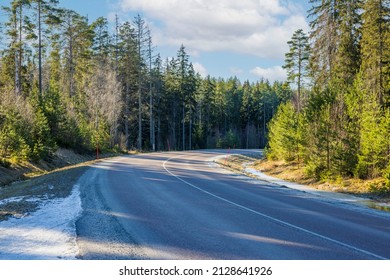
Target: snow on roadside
x,y
48,233
22,198
304,188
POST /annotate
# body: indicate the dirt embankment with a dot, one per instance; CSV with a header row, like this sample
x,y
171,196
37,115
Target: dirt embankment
x,y
374,189
27,170
23,188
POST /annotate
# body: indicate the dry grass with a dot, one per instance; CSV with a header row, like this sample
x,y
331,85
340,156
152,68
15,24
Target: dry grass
x,y
237,162
294,172
291,171
20,171
287,171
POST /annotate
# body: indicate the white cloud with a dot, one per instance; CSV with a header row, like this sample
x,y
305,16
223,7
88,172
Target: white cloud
x,y
275,73
199,68
255,27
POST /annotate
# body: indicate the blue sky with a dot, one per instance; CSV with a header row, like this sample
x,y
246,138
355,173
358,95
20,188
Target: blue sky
x,y
245,38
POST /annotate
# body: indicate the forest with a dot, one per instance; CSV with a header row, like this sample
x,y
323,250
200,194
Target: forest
x,y
338,122
68,82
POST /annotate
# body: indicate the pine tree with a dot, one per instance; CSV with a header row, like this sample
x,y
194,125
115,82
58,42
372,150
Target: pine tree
x,y
46,14
296,62
18,28
76,35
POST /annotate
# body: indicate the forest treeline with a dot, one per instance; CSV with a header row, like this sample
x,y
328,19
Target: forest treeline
x,y
67,82
338,122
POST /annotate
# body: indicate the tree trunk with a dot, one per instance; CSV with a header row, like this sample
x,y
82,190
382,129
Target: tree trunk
x,y
184,129
139,118
39,47
127,114
190,132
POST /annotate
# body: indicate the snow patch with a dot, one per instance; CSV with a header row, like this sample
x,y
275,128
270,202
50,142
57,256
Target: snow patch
x,y
49,233
21,198
291,185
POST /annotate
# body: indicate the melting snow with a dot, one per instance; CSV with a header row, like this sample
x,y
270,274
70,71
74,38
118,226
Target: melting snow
x,y
48,233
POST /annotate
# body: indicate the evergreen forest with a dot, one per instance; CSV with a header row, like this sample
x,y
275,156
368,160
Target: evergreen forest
x,y
68,82
337,123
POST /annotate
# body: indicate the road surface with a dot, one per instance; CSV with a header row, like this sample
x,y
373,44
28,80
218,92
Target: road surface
x,y
180,205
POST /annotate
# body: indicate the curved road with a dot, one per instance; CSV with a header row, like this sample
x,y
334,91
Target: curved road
x,y
179,205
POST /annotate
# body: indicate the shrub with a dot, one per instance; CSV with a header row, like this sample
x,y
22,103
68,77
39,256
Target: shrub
x,y
386,176
5,163
230,140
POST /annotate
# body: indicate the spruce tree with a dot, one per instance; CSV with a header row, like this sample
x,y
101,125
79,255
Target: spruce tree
x,y
375,50
283,133
374,153
127,64
141,38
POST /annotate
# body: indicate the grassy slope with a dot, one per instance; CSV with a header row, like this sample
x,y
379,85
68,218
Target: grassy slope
x,y
294,172
26,170
291,171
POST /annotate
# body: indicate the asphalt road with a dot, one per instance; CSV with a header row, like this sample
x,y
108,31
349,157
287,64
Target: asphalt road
x,y
180,205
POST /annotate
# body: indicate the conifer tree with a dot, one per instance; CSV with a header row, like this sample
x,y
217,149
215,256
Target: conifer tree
x,y
324,25
373,89
76,35
127,64
375,50
141,38
183,60
283,133
18,28
347,56
158,86
296,62
45,14
101,40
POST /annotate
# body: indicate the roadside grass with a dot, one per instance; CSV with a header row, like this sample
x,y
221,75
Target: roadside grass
x,y
294,172
238,163
291,171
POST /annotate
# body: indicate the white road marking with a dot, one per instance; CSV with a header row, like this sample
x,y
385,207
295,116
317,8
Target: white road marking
x,y
269,217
